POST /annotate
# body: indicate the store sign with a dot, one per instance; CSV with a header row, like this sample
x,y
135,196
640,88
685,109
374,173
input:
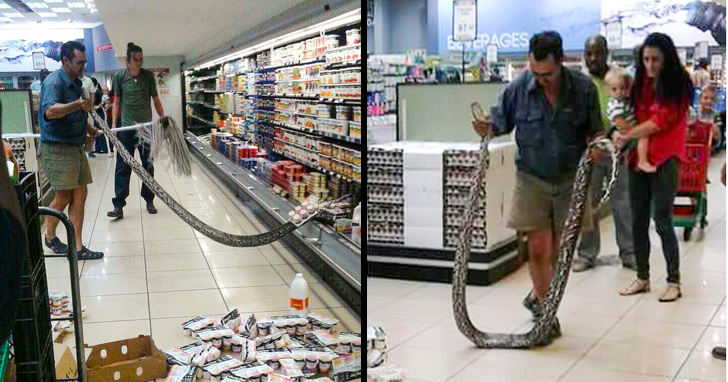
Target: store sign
x,y
38,60
464,20
614,35
104,47
511,27
161,76
492,54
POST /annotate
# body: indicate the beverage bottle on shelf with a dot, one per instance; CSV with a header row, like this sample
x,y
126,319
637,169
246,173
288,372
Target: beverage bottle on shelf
x,y
299,295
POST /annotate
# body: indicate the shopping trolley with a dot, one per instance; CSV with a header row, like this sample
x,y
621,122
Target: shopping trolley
x,y
691,204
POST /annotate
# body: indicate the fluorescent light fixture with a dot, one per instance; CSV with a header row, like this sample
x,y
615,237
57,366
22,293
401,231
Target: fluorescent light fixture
x,y
47,14
4,6
6,19
61,10
15,15
93,10
76,5
37,5
313,30
53,1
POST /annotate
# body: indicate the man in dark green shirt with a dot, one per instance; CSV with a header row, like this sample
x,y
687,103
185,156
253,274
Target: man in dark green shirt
x,y
134,88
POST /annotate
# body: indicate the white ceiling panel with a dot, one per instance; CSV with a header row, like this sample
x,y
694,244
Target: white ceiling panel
x,y
184,27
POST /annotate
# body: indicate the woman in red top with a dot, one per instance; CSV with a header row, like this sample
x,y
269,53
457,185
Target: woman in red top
x,y
661,98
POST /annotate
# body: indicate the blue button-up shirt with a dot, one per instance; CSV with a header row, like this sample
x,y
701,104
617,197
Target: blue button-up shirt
x,y
550,141
58,88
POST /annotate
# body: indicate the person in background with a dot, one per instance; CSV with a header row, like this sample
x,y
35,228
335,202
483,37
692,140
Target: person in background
x,y
595,57
661,96
89,93
135,88
553,107
35,86
63,130
701,75
705,112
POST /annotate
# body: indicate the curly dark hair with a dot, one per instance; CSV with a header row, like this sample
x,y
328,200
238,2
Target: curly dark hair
x,y
673,83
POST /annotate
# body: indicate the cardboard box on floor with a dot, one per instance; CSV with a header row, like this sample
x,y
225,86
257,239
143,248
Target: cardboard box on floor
x,y
130,360
66,366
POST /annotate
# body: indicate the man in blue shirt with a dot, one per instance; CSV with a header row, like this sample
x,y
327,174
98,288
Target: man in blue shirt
x,y
63,129
555,112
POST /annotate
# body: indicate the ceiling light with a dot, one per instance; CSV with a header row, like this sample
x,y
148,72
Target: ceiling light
x,y
53,1
6,19
16,15
61,10
37,5
94,10
76,5
47,14
4,6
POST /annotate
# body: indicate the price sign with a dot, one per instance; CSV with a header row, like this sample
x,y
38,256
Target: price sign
x,y
614,34
38,60
464,20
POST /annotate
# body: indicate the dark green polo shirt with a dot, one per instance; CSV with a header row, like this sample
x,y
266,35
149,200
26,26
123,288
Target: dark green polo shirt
x,y
136,96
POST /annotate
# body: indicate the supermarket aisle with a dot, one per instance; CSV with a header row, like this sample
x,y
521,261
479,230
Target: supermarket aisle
x,y
606,337
158,272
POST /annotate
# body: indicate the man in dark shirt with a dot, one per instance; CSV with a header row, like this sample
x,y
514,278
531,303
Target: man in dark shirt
x,y
555,112
63,129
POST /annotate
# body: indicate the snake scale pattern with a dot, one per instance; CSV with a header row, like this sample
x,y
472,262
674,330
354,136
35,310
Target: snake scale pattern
x,y
197,224
542,332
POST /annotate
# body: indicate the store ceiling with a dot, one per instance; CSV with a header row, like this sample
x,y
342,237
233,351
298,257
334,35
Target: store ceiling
x,y
183,27
30,12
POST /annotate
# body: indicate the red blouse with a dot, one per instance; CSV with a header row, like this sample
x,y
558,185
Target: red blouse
x,y
669,141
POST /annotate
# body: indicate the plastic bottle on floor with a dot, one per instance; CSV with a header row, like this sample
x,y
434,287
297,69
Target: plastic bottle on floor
x,y
299,295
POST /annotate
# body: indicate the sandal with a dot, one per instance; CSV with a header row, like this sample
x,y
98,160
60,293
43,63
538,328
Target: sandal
x,y
637,286
87,254
56,245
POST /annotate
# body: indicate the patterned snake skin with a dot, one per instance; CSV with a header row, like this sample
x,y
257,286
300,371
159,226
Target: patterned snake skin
x,y
197,224
543,330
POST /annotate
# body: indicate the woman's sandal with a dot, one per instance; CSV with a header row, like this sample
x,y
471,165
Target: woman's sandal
x,y
87,254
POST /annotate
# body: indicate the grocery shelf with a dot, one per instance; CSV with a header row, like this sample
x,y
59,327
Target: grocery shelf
x,y
340,65
339,137
301,62
314,166
335,258
203,120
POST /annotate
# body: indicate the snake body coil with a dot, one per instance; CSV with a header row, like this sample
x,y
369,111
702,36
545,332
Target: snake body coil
x,y
541,333
197,224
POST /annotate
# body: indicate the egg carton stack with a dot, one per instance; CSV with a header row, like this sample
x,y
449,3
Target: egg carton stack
x,y
280,348
385,190
18,147
377,371
459,167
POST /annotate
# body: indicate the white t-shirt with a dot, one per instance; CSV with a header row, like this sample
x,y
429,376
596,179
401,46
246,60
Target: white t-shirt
x,y
88,90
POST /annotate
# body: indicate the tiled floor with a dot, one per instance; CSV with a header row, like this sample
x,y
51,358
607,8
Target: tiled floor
x,y
158,272
606,337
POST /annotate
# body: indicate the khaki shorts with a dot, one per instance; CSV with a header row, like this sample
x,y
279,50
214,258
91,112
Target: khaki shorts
x,y
65,165
539,205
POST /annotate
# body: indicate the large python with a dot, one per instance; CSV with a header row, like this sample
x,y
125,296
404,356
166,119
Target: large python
x,y
166,130
542,331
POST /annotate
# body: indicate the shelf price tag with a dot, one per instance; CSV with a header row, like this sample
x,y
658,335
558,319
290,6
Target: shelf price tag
x,y
464,20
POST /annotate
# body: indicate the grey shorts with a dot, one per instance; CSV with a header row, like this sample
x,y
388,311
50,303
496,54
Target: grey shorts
x,y
65,165
539,205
